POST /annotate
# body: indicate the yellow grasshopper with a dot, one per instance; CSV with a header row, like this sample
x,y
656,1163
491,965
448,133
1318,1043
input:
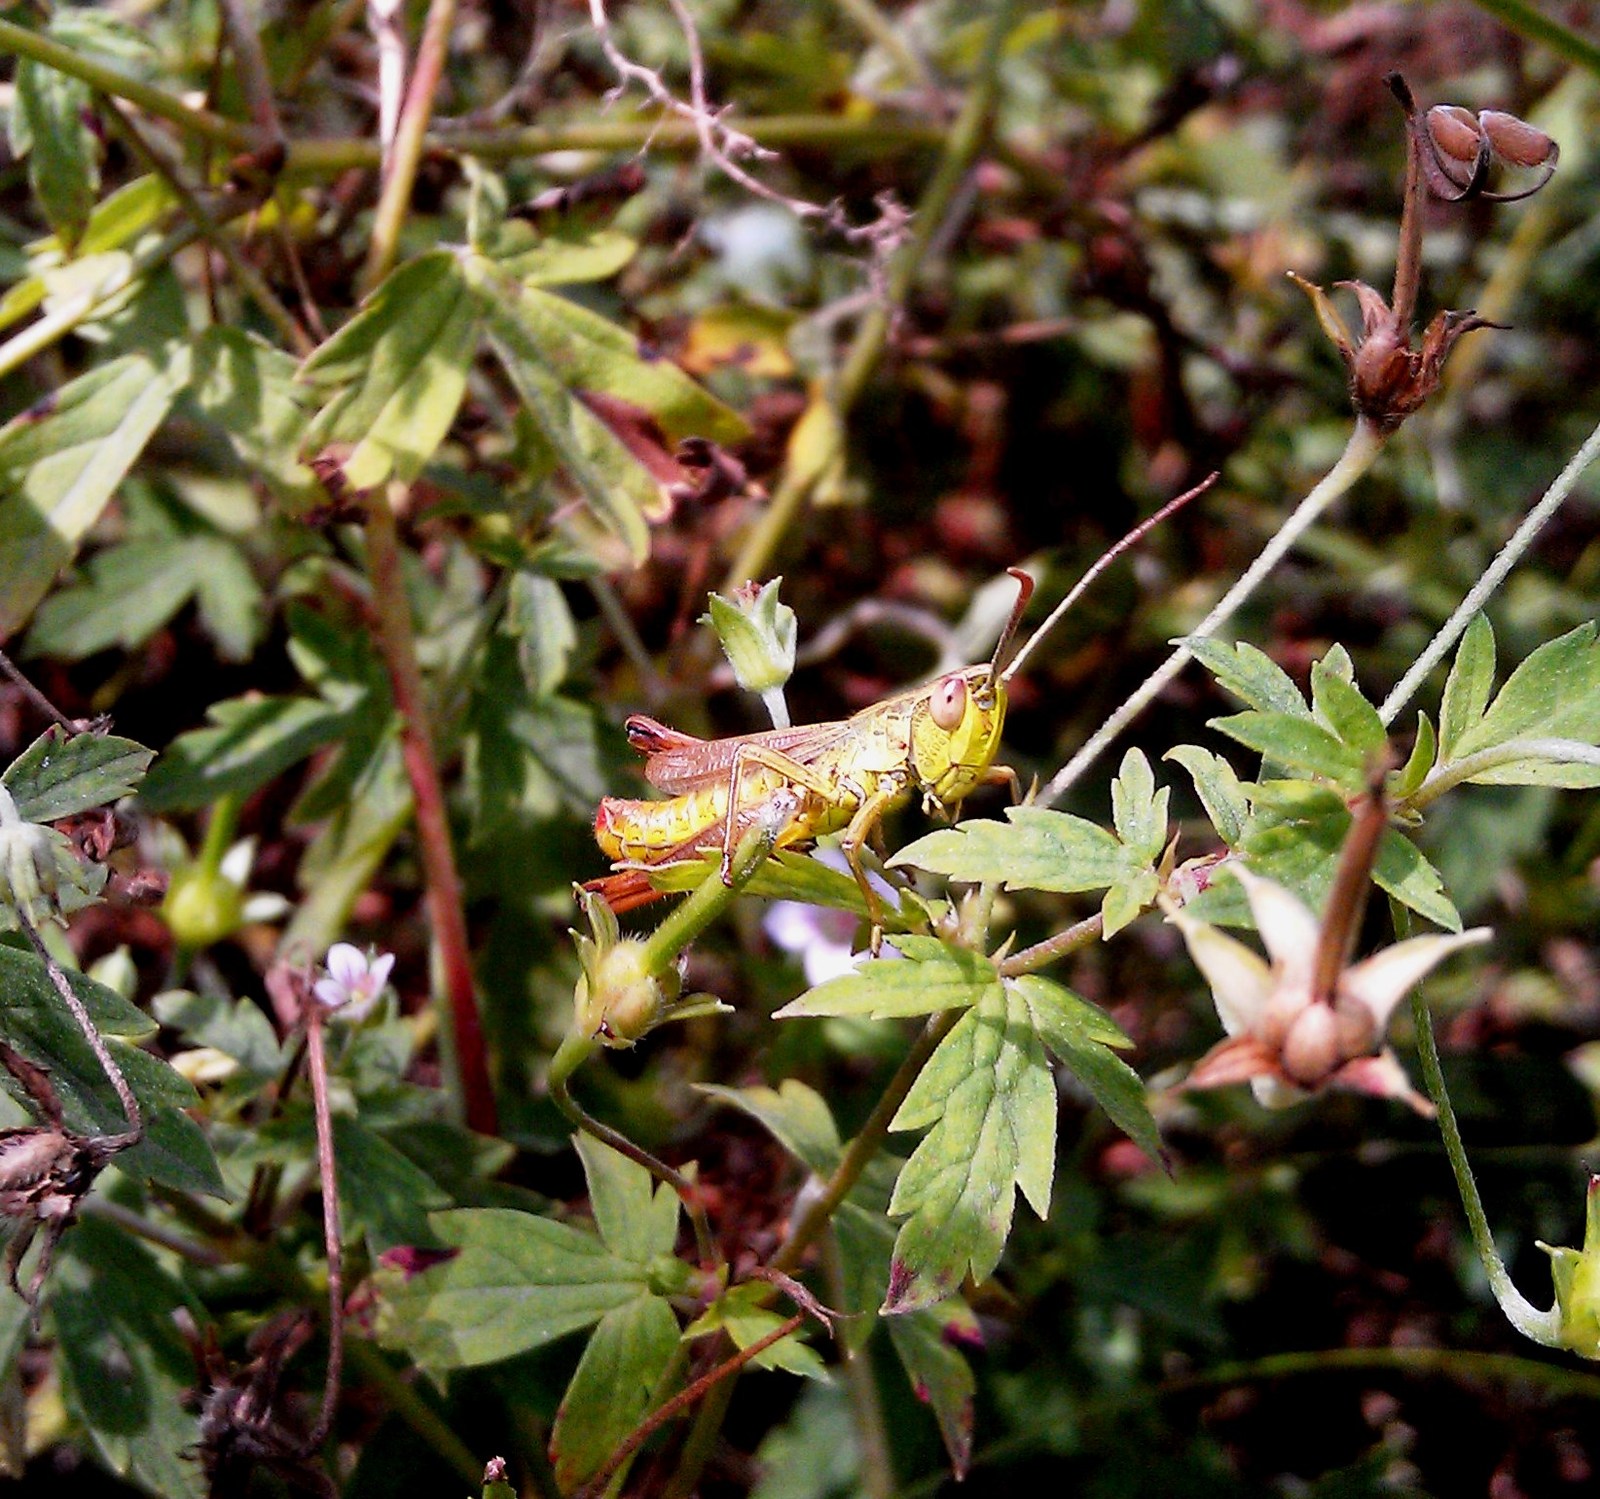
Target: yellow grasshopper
x,y
803,782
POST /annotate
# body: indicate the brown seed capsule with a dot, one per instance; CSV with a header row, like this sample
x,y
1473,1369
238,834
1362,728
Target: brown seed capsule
x,y
1515,141
1457,139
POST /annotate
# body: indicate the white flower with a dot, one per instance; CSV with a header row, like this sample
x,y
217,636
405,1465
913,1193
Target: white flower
x,y
822,935
355,980
1283,1038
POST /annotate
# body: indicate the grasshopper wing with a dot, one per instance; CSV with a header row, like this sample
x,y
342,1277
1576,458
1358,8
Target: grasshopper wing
x,y
676,763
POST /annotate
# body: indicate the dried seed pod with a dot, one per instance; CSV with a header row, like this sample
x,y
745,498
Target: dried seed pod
x,y
1516,142
1459,144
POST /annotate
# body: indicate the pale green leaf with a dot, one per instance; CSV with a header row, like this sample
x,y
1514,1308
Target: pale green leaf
x,y
1249,674
931,975
538,616
1467,689
636,1215
1340,706
1554,694
1297,743
796,1116
1138,809
1034,849
1420,761
1217,786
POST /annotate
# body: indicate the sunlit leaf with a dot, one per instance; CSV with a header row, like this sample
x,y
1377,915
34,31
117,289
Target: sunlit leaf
x,y
931,975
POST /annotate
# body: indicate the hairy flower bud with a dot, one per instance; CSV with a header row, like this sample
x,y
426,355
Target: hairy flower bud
x,y
1576,1273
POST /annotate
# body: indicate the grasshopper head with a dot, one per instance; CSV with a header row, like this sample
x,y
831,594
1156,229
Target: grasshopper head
x,y
955,732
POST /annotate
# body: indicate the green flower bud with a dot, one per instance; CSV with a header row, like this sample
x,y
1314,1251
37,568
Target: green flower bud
x,y
1576,1273
203,906
618,998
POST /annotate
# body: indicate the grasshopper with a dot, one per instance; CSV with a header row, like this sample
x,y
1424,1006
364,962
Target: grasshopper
x,y
803,782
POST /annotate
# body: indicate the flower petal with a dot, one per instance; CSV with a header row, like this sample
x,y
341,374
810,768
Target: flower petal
x,y
346,963
1240,981
1380,982
1381,1076
380,970
1287,927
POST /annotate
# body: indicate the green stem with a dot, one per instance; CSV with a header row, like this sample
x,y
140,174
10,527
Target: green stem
x,y
962,143
109,80
411,1408
1542,1327
1552,751
1053,949
876,1468
566,1061
410,141
709,899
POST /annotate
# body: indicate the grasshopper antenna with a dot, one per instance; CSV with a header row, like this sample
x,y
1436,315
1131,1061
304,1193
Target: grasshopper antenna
x,y
1133,538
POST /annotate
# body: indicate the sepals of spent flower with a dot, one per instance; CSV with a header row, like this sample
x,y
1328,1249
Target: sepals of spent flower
x,y
34,862
758,635
1285,1039
1576,1273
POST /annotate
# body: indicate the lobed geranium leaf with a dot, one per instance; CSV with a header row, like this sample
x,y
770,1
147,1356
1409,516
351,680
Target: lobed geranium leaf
x,y
1339,705
247,389
61,462
637,1216
394,375
1467,688
1138,809
989,1097
1296,743
538,617
796,1116
611,1391
929,1347
1217,785
56,777
1414,772
930,975
1080,1037
517,1281
1034,849
1249,674
739,1312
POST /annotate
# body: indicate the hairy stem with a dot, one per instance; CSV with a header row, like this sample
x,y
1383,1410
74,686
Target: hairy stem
x,y
1494,575
1053,949
1362,449
445,906
1552,751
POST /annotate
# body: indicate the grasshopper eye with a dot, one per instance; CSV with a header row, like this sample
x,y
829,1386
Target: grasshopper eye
x,y
948,703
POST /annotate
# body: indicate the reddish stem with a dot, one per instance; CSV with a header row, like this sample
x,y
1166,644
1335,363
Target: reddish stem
x,y
446,911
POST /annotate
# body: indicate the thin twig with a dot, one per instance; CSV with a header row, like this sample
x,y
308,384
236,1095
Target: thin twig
x,y
332,1237
397,640
1053,949
255,80
36,697
683,1400
405,158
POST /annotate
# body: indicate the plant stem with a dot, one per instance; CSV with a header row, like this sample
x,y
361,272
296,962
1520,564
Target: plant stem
x,y
964,139
415,1412
109,80
1541,1327
398,643
1359,453
1494,575
685,1398
1553,751
565,1062
332,1238
877,1465
409,143
1052,949
91,1034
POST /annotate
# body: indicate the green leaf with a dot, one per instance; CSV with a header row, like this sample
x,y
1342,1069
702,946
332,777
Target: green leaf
x,y
929,1346
518,1282
1467,689
1554,694
989,1097
739,1313
1298,743
1217,786
931,975
402,363
786,875
237,1028
36,1022
1340,706
134,589
538,617
636,1215
1138,810
1414,772
57,777
1249,674
612,1389
1403,872
563,255
124,1366
252,740
1080,1037
49,125
247,389
796,1116
1126,900
384,1195
1034,849
61,462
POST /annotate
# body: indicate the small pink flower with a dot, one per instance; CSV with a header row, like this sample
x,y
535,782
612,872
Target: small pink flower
x,y
355,980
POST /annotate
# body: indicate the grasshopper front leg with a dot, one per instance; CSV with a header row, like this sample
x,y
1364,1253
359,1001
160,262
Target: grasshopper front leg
x,y
867,817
